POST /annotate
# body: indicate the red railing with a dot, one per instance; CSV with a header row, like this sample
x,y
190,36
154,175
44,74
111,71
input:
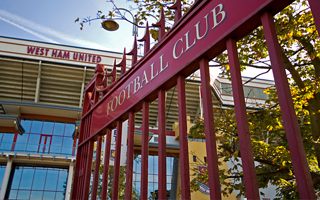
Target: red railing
x,y
209,28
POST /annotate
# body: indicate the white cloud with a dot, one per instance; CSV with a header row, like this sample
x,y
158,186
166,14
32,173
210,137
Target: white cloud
x,y
43,32
46,39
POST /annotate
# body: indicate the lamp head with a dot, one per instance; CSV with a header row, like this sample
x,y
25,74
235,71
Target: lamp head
x,y
110,25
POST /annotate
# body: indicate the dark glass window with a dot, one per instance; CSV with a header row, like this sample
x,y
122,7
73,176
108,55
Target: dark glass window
x,y
6,140
44,137
36,127
38,183
226,88
2,170
194,158
254,92
249,91
152,175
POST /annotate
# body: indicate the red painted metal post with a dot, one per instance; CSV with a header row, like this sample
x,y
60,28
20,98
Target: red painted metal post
x,y
15,137
183,138
79,175
130,152
161,25
84,172
116,173
315,8
106,165
86,129
144,151
290,123
162,184
83,150
250,179
76,175
44,144
96,170
74,145
146,39
78,185
213,170
87,175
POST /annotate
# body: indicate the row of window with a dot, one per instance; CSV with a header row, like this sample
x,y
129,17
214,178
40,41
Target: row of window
x,y
36,183
249,92
41,137
152,174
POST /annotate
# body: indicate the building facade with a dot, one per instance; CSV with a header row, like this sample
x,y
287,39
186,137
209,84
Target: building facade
x,y
41,87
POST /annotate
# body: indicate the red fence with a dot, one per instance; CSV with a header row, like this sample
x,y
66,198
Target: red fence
x,y
208,29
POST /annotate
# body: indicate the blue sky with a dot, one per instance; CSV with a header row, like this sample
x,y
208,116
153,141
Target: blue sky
x,y
53,21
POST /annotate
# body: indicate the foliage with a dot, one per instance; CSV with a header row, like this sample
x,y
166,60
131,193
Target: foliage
x,y
147,9
271,155
143,11
197,130
122,180
300,51
300,46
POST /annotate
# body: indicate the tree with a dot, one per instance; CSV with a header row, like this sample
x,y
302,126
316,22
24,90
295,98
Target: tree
x,y
300,50
122,180
143,10
300,46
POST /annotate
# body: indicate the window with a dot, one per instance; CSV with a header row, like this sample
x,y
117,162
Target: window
x,y
2,171
45,137
194,158
38,183
152,174
249,91
254,92
6,140
226,88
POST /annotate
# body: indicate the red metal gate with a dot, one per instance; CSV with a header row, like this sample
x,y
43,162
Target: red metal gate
x,y
209,28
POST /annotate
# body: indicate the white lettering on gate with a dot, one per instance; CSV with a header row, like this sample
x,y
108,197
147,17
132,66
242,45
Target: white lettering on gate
x,y
185,43
137,84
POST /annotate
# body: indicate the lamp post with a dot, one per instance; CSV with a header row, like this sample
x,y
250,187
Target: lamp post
x,y
111,24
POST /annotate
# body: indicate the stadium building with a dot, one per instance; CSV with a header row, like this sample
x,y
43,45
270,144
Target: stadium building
x,y
41,87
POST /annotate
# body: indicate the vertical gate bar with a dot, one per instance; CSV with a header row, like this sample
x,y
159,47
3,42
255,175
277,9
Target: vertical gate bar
x,y
96,170
84,171
213,170
74,145
76,177
15,137
80,177
183,138
79,161
81,174
290,123
116,171
129,168
87,175
162,184
250,179
79,156
106,165
144,151
315,8
80,193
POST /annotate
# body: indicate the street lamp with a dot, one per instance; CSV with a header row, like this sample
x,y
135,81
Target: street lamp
x,y
111,25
